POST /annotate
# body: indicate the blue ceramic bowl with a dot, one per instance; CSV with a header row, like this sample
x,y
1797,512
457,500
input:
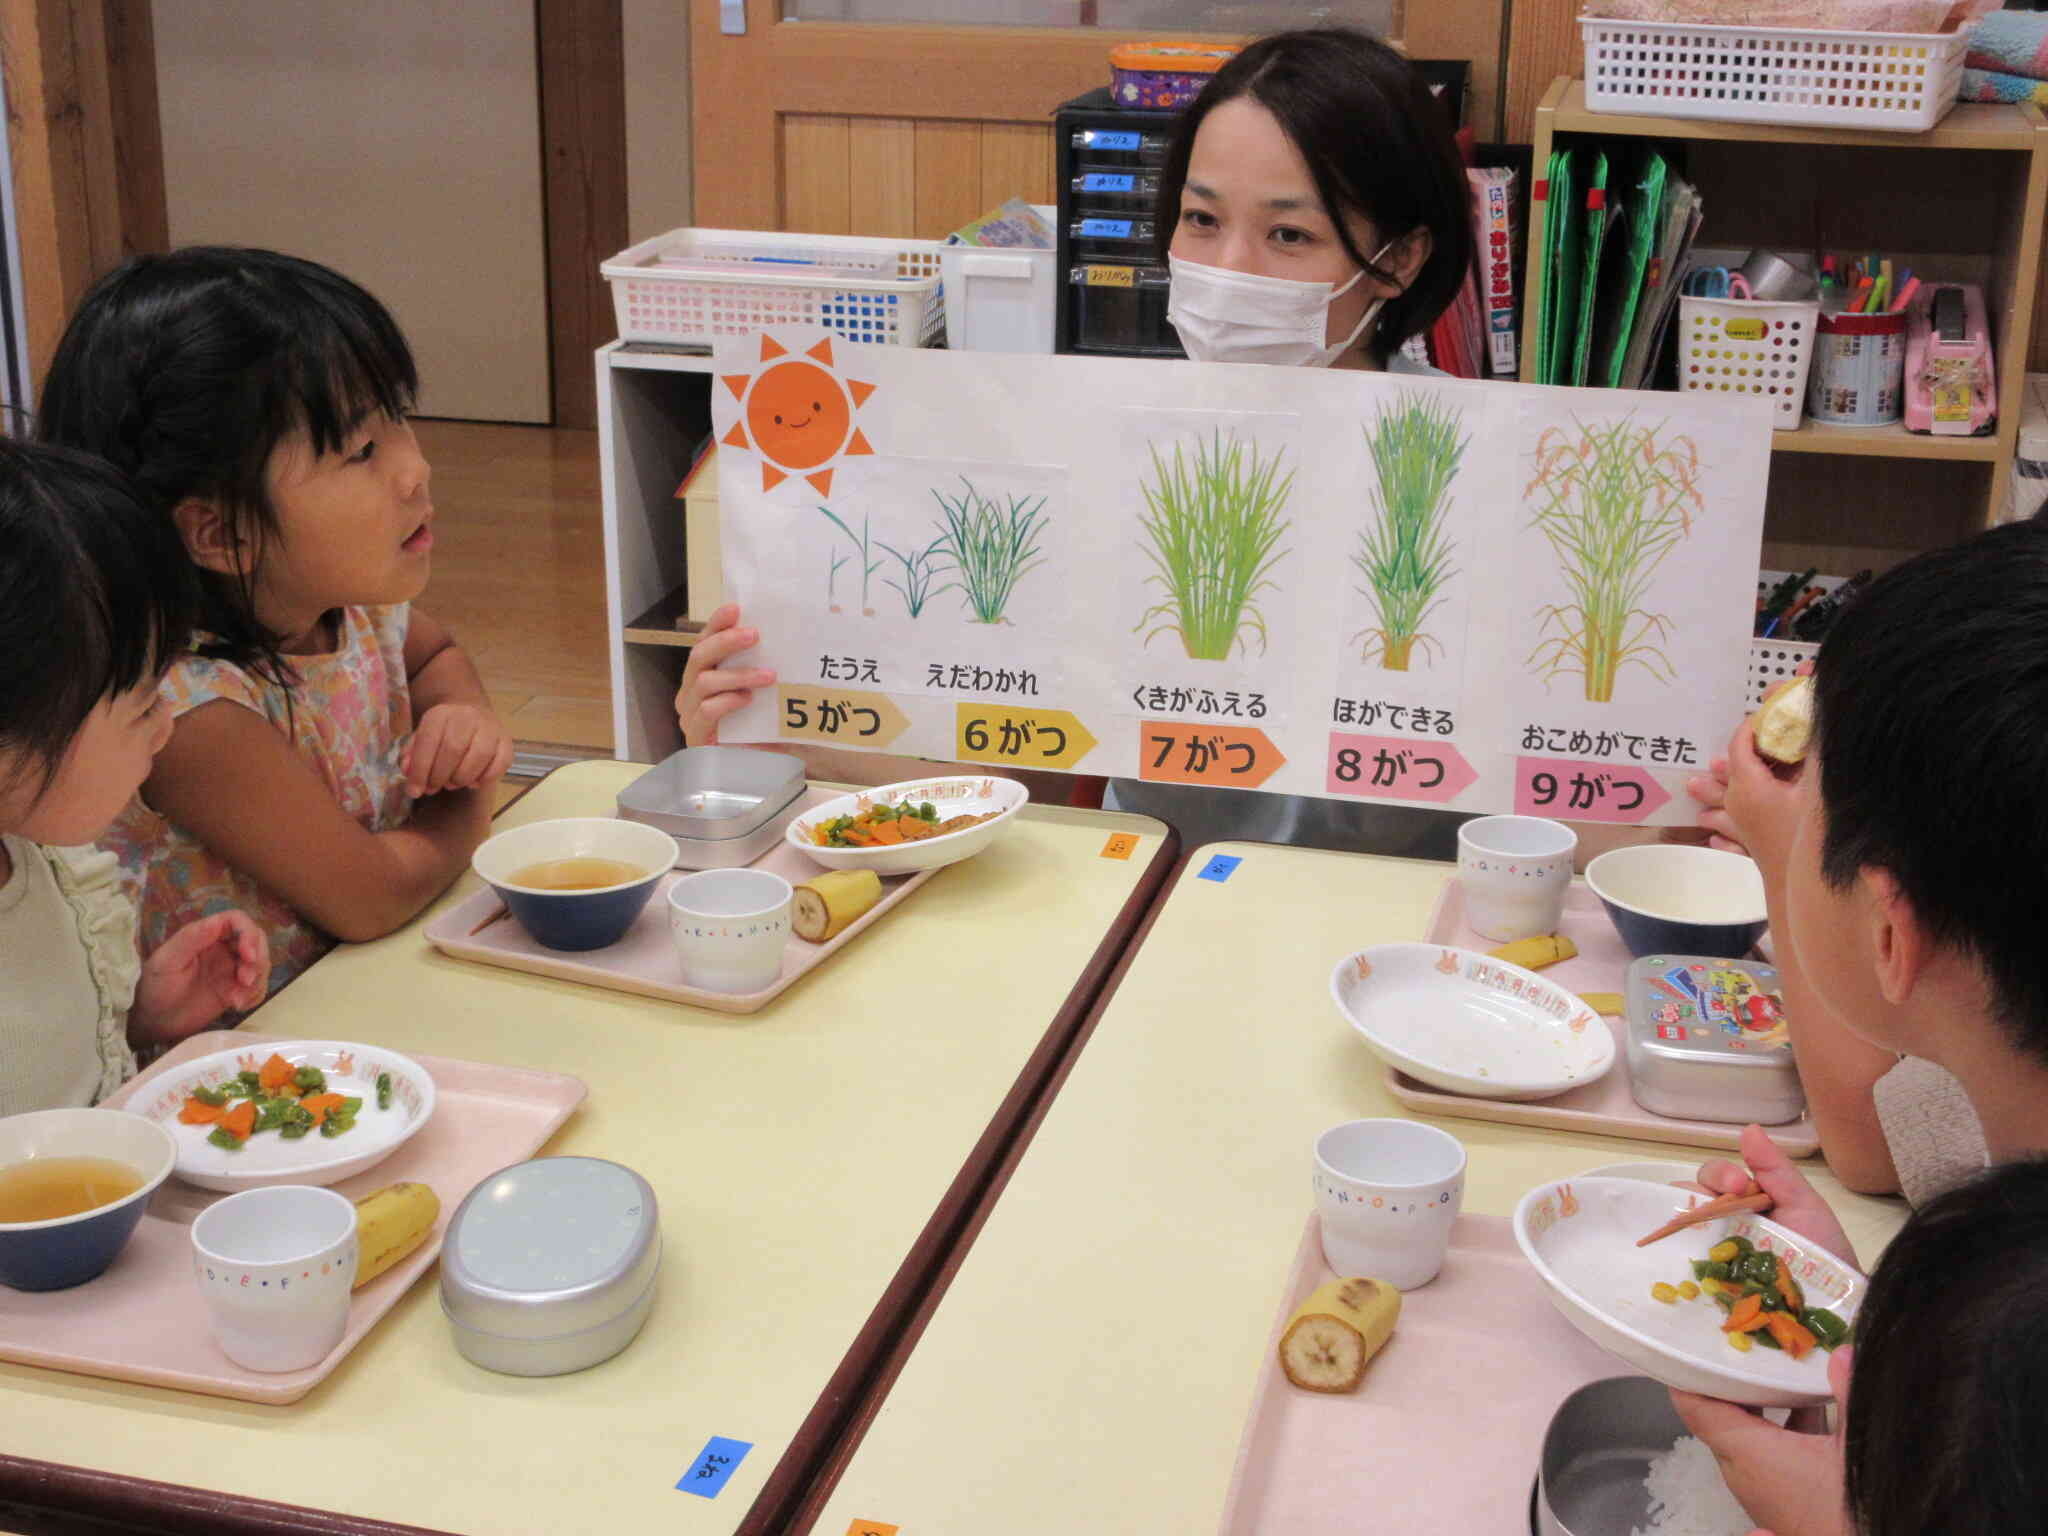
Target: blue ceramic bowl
x,y
1673,898
588,919
70,1250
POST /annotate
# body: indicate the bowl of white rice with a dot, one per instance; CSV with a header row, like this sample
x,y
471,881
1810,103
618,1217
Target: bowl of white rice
x,y
1580,1236
1617,1459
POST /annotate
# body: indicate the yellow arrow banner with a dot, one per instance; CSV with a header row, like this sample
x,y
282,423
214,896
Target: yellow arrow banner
x,y
1019,737
838,717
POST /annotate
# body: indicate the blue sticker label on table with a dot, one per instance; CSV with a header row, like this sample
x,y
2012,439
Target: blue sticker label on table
x,y
1106,229
714,1466
1219,868
1106,139
1102,181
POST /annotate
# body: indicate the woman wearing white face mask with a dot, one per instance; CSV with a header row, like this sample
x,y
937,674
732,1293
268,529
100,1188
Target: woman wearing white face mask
x,y
1315,213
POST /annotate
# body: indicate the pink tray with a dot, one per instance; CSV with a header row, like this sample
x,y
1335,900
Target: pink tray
x,y
143,1320
645,960
1605,1108
1446,1432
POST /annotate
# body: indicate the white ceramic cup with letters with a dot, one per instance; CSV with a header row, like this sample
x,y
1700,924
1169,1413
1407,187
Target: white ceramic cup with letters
x,y
1387,1193
275,1266
730,926
1514,871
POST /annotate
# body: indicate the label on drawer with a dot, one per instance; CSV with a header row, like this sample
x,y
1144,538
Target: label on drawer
x,y
1110,277
1102,181
1106,229
1102,138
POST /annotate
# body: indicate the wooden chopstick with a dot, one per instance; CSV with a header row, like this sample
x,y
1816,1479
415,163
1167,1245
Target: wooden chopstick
x,y
480,927
1720,1205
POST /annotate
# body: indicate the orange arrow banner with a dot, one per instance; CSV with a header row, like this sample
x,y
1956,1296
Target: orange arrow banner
x,y
838,717
1175,752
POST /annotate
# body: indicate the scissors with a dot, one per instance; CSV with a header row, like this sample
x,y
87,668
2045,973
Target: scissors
x,y
1716,283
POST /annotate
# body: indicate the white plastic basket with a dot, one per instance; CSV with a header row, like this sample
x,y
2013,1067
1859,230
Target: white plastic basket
x,y
1772,661
1901,81
696,287
1749,347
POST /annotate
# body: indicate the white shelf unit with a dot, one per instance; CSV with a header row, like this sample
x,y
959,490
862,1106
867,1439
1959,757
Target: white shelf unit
x,y
653,408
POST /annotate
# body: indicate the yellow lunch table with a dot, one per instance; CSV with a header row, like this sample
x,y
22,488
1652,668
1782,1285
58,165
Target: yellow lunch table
x,y
812,1163
1091,1364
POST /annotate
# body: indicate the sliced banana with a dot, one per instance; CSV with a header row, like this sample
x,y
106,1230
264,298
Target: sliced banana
x,y
1335,1333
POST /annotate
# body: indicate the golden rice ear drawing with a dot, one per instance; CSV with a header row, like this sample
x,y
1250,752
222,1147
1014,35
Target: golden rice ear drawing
x,y
1448,963
1364,966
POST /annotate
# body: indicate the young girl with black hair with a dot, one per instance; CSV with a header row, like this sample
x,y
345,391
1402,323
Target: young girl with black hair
x,y
333,746
97,598
1314,211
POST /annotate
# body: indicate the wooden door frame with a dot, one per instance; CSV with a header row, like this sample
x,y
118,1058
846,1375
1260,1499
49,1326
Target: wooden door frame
x,y
961,73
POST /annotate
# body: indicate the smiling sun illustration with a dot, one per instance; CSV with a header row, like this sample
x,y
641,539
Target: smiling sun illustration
x,y
797,413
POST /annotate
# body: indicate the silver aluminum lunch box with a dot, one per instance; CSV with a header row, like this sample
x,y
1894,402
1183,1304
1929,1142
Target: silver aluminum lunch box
x,y
725,806
1707,1041
1596,1454
549,1266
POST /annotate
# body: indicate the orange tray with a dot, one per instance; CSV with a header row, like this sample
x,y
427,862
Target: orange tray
x,y
645,962
1605,1108
143,1319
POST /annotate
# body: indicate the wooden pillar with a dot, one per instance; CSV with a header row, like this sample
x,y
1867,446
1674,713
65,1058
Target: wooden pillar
x,y
87,149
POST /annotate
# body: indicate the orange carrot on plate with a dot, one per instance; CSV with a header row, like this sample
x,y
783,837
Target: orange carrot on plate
x,y
199,1112
275,1073
240,1121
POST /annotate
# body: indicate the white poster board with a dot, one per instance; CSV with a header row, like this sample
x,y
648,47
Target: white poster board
x,y
1382,587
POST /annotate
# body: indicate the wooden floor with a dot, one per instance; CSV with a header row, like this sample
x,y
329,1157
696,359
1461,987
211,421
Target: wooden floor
x,y
519,574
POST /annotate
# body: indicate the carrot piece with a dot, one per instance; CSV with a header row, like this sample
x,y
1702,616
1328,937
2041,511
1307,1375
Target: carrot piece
x,y
857,837
1746,1316
241,1120
1795,1336
888,833
275,1073
321,1104
1789,1289
197,1112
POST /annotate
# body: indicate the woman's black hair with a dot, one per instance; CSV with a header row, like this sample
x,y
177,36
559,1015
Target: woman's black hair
x,y
99,598
186,371
1377,143
1949,1386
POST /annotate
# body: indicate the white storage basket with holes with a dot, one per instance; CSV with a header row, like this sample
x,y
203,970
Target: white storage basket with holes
x,y
699,287
1899,81
1749,347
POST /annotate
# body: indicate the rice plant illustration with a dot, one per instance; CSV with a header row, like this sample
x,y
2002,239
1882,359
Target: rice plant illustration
x,y
1613,501
1213,519
991,546
1405,553
864,551
920,569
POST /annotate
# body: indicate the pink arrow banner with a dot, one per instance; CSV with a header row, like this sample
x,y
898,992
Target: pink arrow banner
x,y
1396,768
1575,790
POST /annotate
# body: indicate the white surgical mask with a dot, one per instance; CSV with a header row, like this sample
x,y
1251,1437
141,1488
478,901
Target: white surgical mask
x,y
1241,317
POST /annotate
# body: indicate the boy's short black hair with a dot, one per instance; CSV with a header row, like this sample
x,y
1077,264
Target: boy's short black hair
x,y
98,599
1949,1388
1378,143
1931,712
185,371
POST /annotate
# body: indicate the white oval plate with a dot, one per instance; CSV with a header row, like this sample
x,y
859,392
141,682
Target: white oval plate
x,y
1580,1234
1466,1023
315,1159
959,796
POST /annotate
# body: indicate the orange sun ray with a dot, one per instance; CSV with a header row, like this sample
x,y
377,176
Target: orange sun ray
x,y
858,445
822,352
770,347
860,391
822,481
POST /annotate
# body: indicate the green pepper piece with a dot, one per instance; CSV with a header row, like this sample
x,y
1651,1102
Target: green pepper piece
x,y
211,1096
310,1078
1758,1269
226,1139
1763,1337
337,1124
348,1107
292,1130
235,1088
1743,1243
250,1076
1832,1332
928,812
383,1090
1710,1269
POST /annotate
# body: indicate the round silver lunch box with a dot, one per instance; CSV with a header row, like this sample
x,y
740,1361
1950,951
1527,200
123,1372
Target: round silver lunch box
x,y
550,1266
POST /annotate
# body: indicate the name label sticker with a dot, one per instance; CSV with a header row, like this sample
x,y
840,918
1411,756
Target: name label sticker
x,y
1120,845
1220,868
870,1528
1101,181
714,1466
1101,138
1106,229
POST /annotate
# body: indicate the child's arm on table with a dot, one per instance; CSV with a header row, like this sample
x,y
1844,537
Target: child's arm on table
x,y
228,777
458,741
1749,807
203,970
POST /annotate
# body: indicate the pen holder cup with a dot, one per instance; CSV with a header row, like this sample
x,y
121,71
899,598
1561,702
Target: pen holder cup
x,y
1859,370
1749,347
